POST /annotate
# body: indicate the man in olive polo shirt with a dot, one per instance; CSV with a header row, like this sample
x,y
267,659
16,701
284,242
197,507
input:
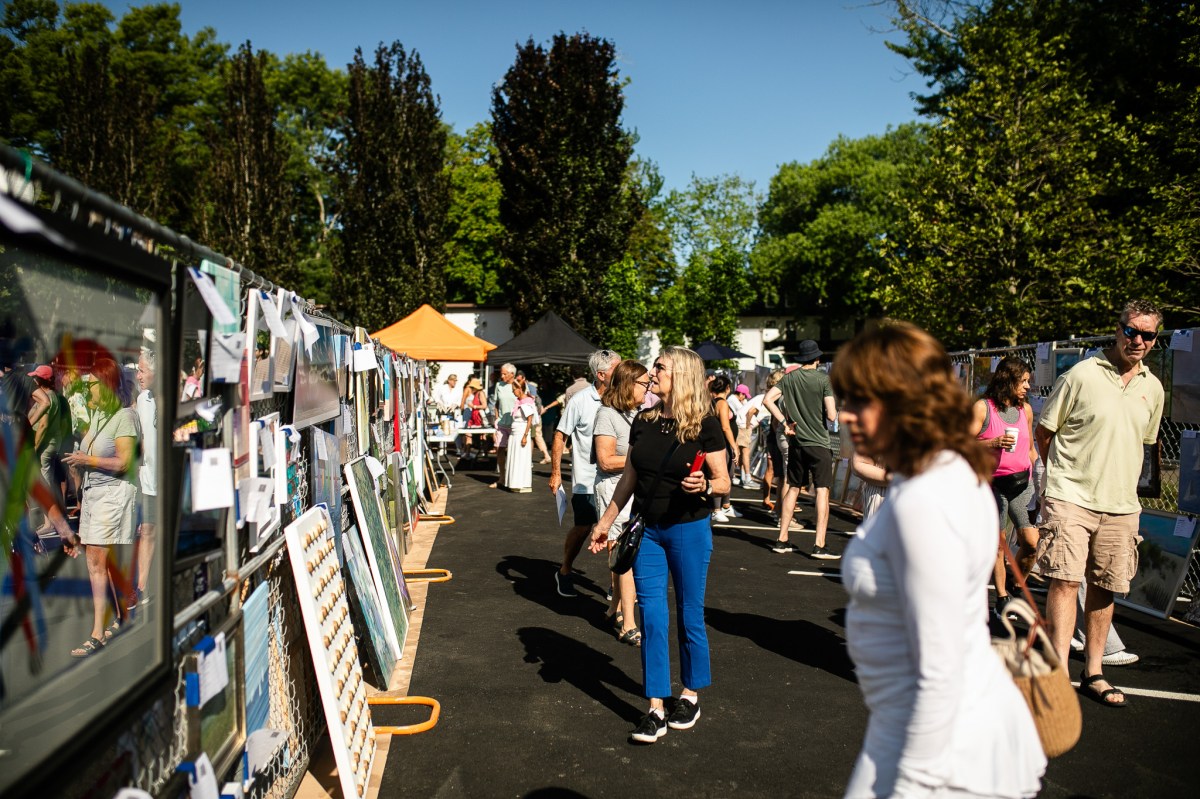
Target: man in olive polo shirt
x,y
1090,437
807,404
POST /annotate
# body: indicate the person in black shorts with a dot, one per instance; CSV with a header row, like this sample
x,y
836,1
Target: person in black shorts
x,y
807,403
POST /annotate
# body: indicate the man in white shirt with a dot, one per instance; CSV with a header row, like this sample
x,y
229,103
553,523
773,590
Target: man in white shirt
x,y
147,529
576,422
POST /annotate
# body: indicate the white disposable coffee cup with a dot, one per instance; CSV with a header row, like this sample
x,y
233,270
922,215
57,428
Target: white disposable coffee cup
x,y
1012,431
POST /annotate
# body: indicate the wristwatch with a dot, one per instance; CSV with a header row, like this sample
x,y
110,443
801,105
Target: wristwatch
x,y
707,487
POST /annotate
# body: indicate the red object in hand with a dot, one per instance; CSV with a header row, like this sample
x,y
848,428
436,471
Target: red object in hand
x,y
697,463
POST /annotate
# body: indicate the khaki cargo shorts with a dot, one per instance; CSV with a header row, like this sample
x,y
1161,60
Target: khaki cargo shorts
x,y
1077,544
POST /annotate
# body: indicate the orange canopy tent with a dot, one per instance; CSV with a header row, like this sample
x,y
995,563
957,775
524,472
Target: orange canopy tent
x,y
428,336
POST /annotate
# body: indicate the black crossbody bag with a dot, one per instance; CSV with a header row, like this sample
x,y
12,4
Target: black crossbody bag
x,y
624,553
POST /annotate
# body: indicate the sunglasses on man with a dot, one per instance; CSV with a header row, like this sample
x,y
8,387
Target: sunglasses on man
x,y
1132,333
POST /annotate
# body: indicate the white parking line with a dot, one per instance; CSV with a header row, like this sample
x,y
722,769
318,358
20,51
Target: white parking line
x,y
757,526
1178,697
816,574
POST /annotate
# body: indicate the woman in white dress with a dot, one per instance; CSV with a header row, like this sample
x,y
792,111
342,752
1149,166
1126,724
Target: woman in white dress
x,y
946,719
518,470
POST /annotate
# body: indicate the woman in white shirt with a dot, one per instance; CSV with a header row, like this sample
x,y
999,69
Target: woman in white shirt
x,y
946,719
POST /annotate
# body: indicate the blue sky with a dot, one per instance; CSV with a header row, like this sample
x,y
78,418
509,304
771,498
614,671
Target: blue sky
x,y
716,87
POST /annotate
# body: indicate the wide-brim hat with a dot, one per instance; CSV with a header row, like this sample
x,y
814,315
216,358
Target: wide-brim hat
x,y
809,351
475,384
742,389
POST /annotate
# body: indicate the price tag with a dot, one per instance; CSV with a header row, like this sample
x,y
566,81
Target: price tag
x,y
1182,340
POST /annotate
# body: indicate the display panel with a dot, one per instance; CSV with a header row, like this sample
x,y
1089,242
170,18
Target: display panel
x,y
316,384
86,358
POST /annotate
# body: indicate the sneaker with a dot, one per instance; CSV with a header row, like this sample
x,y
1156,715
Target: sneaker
x,y
564,584
751,485
821,553
733,512
649,729
684,715
719,516
1076,644
782,547
1122,658
1001,603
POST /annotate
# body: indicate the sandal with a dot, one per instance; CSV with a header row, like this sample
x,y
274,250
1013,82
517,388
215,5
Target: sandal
x,y
1085,688
112,630
618,618
632,636
88,648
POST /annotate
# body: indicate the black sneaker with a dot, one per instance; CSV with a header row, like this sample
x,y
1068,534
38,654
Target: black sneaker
x,y
649,729
821,553
782,547
564,584
684,715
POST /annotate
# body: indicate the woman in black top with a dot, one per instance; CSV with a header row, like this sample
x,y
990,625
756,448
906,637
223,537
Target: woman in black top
x,y
674,501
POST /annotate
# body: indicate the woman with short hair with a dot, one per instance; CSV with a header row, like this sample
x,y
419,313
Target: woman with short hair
x,y
674,502
619,405
946,719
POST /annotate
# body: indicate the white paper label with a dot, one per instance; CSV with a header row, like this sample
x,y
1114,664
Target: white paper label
x,y
212,298
1182,340
266,447
214,671
203,784
1185,526
364,358
227,352
322,449
374,467
271,316
307,329
1043,351
261,746
212,479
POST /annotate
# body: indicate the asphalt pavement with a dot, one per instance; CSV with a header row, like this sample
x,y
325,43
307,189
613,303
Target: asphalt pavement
x,y
538,697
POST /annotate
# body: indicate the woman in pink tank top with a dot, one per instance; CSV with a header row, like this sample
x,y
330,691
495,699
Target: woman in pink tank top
x,y
1002,410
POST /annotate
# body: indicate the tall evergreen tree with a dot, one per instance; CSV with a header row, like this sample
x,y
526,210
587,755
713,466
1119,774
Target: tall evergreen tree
x,y
475,239
249,205
395,191
562,160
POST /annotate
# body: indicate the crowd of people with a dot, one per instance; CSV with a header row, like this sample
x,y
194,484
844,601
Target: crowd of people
x,y
942,475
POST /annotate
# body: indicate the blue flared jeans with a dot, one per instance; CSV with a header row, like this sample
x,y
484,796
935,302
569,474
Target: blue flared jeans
x,y
681,551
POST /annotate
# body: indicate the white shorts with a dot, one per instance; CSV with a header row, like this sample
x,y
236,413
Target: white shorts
x,y
603,495
108,514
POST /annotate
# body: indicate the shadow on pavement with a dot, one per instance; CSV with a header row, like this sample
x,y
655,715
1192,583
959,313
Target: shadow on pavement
x,y
533,579
564,659
797,639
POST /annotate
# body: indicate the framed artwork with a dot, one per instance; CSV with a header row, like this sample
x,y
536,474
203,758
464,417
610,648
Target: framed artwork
x,y
1065,358
75,311
1163,554
325,476
260,349
195,340
256,628
217,727
385,564
285,347
378,648
1189,471
315,392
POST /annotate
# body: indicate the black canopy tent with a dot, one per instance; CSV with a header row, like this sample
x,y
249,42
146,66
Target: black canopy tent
x,y
715,351
548,340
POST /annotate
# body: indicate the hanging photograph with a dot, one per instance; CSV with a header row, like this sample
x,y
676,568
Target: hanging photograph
x,y
285,346
1189,472
260,349
316,384
1163,555
325,474
216,714
194,340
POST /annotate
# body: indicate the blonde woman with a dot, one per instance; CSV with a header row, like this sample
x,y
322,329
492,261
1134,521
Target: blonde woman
x,y
674,501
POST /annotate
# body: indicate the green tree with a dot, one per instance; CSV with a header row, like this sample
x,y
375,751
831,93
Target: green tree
x,y
626,296
1010,232
395,191
249,208
562,160
712,224
311,100
475,237
823,225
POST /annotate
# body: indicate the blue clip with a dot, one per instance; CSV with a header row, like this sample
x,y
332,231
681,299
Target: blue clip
x,y
191,689
189,768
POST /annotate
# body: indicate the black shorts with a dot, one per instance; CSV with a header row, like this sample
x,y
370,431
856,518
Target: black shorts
x,y
583,506
806,461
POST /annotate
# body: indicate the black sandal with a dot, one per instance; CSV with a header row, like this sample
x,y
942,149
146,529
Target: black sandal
x,y
88,648
1085,688
632,636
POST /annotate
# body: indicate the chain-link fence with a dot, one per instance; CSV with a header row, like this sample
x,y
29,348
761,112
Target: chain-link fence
x,y
976,369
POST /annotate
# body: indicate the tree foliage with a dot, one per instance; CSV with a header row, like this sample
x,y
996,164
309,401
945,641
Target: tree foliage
x,y
562,160
395,191
712,225
475,237
825,226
